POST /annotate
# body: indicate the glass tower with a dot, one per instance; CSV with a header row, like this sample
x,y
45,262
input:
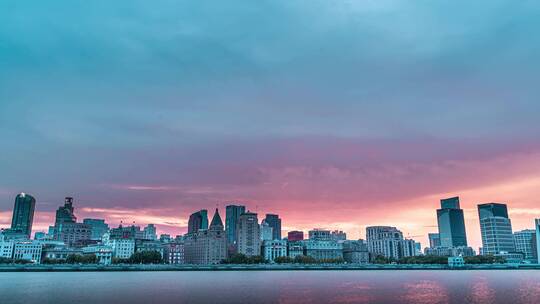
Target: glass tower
x,y
496,229
232,213
198,221
23,214
275,222
451,223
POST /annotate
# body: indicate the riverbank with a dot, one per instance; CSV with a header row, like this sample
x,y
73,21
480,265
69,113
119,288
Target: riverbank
x,y
261,267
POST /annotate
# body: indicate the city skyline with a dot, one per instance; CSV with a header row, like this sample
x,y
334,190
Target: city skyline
x,y
423,239
340,114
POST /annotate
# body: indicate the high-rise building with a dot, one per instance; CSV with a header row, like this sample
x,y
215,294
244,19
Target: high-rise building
x,y
98,226
248,234
294,236
65,213
386,241
23,214
451,223
232,213
266,231
496,229
207,246
198,221
537,228
434,240
525,241
150,232
275,222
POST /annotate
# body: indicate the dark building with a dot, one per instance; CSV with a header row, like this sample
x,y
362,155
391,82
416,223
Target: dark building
x,y
295,236
126,232
451,223
198,221
232,213
496,229
434,240
65,213
274,221
23,214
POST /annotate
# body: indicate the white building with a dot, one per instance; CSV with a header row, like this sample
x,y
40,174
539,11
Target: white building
x,y
103,253
525,241
323,249
121,248
28,250
456,261
385,241
273,249
6,248
248,234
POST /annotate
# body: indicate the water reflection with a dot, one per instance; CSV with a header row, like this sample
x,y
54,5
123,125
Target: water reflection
x,y
481,292
425,291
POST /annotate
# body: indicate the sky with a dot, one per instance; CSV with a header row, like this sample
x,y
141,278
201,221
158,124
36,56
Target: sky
x,y
332,114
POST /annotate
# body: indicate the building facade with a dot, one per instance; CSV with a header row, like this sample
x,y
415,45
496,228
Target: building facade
x,y
355,252
150,232
174,253
23,214
295,249
103,253
266,231
434,240
248,234
496,229
323,249
121,248
385,241
537,228
28,250
319,235
338,235
273,249
451,223
450,251
73,234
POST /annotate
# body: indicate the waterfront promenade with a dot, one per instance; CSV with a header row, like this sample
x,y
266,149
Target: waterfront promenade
x,y
258,267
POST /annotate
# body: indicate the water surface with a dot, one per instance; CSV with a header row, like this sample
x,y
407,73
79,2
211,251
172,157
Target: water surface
x,y
415,286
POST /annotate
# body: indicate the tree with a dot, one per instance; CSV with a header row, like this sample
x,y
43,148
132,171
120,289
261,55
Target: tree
x,y
283,260
381,259
302,259
146,257
484,259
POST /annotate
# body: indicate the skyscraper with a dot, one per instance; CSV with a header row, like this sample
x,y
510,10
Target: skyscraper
x,y
266,231
65,213
434,240
207,246
496,229
198,221
451,223
248,234
275,222
23,214
232,213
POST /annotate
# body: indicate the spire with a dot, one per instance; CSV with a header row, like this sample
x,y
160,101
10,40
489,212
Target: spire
x,y
216,221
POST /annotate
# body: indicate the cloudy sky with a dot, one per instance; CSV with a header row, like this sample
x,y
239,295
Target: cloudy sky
x,y
333,114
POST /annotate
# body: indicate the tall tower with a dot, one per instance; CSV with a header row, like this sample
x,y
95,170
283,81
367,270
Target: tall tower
x,y
232,213
23,213
275,222
65,214
248,234
198,221
496,228
451,223
537,225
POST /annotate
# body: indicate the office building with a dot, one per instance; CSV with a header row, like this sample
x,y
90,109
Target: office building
x,y
198,221
65,214
6,247
294,236
295,249
23,214
207,246
149,245
165,238
233,212
275,222
98,228
385,241
122,248
451,223
323,249
248,234
126,232
266,231
174,253
495,228
273,249
525,242
150,232
434,240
